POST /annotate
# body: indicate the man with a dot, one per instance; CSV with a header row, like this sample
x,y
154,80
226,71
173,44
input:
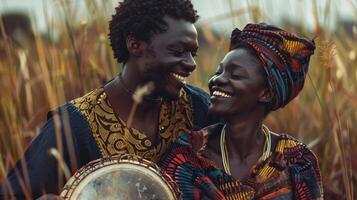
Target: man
x,y
156,41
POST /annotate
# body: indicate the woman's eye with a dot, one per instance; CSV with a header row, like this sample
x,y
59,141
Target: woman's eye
x,y
213,76
217,73
236,76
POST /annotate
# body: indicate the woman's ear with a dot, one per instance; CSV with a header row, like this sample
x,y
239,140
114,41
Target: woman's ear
x,y
134,46
265,96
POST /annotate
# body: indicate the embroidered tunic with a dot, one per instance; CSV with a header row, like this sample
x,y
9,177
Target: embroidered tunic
x,y
86,129
114,137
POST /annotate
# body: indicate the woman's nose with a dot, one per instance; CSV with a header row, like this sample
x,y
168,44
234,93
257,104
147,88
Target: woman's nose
x,y
218,79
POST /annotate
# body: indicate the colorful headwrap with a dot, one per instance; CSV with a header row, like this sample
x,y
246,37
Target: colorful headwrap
x,y
284,56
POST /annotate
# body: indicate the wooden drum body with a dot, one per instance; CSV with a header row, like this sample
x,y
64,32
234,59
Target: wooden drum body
x,y
120,177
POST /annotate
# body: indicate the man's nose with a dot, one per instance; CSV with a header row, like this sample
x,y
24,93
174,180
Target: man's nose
x,y
189,63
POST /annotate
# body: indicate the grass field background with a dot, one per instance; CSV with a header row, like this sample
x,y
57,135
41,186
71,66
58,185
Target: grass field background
x,y
40,72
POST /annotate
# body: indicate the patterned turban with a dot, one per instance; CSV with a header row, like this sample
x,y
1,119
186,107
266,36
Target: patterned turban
x,y
284,57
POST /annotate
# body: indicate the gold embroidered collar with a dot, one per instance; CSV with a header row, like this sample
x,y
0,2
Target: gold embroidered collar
x,y
114,137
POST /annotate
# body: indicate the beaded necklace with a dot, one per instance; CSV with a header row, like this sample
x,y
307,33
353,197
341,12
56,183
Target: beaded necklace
x,y
224,151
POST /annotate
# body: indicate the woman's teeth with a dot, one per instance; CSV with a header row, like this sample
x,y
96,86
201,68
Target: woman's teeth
x,y
222,94
179,77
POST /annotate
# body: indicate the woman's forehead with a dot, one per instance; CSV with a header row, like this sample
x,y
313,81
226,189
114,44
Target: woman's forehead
x,y
241,57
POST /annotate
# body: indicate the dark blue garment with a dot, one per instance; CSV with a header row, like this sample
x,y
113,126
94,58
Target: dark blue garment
x,y
42,167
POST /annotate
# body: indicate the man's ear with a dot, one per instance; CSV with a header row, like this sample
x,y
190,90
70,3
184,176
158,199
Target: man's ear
x,y
265,96
134,46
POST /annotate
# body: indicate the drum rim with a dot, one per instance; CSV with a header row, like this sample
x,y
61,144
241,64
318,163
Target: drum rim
x,y
97,164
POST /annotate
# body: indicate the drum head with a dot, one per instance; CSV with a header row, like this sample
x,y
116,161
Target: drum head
x,y
119,178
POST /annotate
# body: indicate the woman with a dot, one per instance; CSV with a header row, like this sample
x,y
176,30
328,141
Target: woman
x,y
241,158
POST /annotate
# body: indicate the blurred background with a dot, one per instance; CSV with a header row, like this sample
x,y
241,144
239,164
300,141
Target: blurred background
x,y
54,51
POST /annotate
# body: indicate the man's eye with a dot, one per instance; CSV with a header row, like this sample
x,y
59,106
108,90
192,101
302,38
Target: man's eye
x,y
194,53
177,51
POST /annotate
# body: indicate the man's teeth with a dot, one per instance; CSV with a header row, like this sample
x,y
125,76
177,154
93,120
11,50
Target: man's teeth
x,y
222,94
180,78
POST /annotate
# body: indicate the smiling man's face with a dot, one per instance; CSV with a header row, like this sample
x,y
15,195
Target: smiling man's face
x,y
169,57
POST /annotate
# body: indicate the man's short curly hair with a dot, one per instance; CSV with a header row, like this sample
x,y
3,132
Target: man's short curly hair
x,y
142,19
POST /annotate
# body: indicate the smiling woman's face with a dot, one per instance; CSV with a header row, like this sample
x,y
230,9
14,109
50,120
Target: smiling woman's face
x,y
238,86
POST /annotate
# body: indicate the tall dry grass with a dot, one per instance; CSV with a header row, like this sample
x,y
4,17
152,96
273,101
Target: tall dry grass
x,y
40,74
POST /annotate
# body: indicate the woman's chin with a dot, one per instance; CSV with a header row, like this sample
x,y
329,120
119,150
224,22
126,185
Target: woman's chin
x,y
215,110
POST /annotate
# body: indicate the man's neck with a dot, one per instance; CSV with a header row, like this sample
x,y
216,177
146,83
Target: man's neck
x,y
146,115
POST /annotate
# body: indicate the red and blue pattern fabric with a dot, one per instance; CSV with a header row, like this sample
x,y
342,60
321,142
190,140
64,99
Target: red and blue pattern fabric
x,y
291,172
285,58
